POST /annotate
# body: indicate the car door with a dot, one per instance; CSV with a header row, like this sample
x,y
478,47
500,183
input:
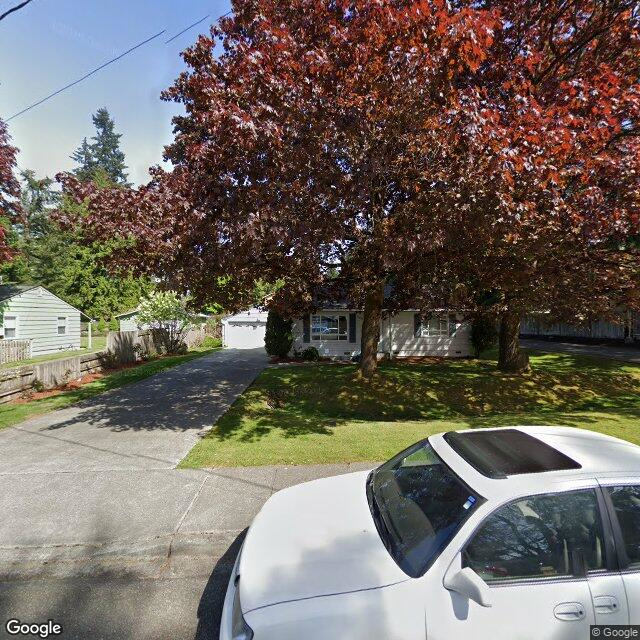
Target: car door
x,y
536,554
624,506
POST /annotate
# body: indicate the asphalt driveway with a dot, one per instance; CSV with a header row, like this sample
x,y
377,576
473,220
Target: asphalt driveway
x,y
98,529
622,352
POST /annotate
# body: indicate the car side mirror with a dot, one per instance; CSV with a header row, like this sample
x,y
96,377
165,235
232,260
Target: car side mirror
x,y
469,584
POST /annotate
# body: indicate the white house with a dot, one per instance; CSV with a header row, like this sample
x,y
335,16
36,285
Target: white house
x,y
31,312
244,330
336,333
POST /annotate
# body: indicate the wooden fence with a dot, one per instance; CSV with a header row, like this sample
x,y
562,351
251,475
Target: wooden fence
x,y
14,350
536,326
122,348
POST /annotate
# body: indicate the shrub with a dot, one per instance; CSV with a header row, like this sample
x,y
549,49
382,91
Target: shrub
x,y
102,326
278,335
484,334
169,317
210,342
310,354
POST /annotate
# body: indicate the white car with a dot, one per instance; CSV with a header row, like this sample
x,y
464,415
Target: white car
x,y
523,533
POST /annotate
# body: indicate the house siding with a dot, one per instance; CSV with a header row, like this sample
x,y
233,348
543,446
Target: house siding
x,y
396,336
129,322
38,311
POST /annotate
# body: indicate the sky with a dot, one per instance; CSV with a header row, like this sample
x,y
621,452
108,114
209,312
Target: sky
x,y
50,43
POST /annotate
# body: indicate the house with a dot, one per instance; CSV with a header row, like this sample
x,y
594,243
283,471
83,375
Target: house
x,y
336,330
245,330
537,325
31,312
128,320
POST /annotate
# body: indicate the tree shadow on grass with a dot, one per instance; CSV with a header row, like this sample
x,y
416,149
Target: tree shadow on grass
x,y
317,399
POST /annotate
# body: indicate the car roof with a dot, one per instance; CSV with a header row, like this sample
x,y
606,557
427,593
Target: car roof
x,y
596,456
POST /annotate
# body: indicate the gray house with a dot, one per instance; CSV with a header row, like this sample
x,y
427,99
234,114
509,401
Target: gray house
x,y
31,312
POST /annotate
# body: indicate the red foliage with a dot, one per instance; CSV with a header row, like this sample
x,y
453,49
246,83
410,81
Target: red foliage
x,y
450,147
9,187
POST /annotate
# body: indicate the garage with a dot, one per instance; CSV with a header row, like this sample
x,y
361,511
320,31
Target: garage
x,y
244,330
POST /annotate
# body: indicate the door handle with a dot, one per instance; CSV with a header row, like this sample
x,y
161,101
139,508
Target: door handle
x,y
570,611
606,604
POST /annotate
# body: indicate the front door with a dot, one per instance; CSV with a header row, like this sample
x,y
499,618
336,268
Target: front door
x,y
544,558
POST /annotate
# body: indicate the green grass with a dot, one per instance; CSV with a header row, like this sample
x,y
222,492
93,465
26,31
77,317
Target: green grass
x,y
13,413
98,344
323,413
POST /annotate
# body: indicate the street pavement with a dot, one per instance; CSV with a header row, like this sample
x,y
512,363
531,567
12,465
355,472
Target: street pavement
x,y
100,532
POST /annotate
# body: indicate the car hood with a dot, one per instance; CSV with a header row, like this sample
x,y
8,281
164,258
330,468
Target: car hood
x,y
314,539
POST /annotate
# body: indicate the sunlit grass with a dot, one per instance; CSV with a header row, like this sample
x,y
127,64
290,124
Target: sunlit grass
x,y
325,413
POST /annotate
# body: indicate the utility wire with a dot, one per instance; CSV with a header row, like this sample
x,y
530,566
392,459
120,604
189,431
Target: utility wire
x,y
19,6
186,29
106,64
84,77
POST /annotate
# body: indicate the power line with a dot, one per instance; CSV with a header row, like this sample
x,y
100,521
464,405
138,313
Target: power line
x,y
84,77
186,29
19,6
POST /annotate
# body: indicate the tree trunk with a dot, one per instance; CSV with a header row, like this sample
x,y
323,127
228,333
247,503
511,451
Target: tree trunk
x,y
371,330
511,359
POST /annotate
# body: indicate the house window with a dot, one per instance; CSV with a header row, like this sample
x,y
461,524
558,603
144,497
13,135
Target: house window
x,y
435,326
10,325
329,327
62,325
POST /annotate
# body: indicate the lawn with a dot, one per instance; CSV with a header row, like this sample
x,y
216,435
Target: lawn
x,y
323,413
13,413
98,344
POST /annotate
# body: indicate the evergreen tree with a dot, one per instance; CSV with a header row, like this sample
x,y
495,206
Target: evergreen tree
x,y
83,155
106,147
102,153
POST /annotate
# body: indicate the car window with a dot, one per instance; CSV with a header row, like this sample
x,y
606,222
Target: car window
x,y
626,502
418,504
537,537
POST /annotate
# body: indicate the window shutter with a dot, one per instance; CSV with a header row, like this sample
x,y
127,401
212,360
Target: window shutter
x,y
352,327
306,328
417,325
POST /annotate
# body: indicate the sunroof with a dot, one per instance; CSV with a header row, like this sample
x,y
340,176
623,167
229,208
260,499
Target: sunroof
x,y
507,452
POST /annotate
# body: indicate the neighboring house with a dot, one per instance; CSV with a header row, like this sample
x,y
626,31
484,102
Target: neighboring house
x,y
537,326
244,330
31,312
129,320
336,332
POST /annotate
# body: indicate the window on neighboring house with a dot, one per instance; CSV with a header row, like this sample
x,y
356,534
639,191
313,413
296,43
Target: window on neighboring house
x,y
62,325
10,324
329,327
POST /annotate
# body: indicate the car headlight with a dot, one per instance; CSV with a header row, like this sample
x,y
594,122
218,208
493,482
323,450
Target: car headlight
x,y
240,630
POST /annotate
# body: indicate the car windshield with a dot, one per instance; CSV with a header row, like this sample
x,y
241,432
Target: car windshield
x,y
418,505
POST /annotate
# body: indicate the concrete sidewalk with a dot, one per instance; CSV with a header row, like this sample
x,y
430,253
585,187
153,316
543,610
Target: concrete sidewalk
x,y
141,524
101,533
132,573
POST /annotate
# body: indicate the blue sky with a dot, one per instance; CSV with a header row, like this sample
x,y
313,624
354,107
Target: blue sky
x,y
50,43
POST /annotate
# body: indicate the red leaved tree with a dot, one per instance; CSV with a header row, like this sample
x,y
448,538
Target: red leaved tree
x,y
9,187
449,149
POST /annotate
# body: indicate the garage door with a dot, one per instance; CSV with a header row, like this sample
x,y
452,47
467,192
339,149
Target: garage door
x,y
245,335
